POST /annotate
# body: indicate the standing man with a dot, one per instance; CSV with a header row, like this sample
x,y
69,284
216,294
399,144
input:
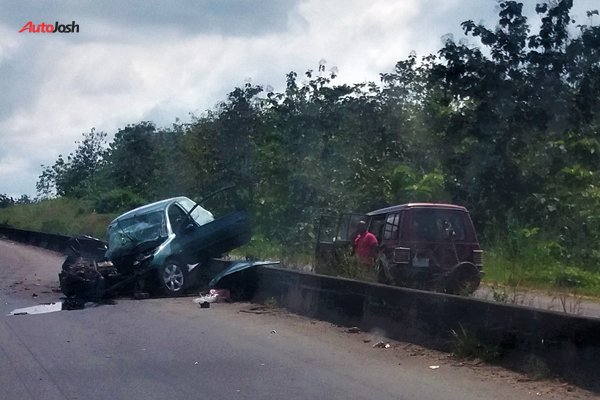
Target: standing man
x,y
365,245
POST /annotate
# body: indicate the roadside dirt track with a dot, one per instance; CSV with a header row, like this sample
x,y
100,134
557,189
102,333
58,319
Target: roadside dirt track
x,y
563,302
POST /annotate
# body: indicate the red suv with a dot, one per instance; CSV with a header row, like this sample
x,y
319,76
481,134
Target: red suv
x,y
421,245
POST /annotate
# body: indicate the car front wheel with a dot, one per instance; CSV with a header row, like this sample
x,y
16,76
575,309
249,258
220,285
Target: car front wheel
x,y
173,278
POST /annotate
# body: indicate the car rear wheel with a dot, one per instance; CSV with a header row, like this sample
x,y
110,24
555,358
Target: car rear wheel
x,y
173,278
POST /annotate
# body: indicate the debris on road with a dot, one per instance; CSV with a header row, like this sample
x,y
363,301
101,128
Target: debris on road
x,y
262,310
72,303
381,345
353,329
39,309
434,367
214,296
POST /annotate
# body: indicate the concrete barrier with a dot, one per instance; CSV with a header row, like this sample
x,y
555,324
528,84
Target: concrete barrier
x,y
516,336
50,241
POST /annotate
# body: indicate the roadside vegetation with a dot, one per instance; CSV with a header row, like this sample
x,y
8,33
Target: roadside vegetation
x,y
68,216
504,121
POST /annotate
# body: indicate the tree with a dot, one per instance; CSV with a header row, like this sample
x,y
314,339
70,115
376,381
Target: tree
x,y
134,160
6,201
75,176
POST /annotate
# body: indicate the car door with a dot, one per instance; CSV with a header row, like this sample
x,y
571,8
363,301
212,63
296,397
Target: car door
x,y
185,229
335,236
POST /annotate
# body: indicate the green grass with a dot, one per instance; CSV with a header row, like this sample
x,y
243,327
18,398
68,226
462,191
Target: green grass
x,y
535,266
265,249
466,345
62,215
259,247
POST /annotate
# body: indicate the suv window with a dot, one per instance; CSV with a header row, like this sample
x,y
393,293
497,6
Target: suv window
x,y
376,226
391,227
436,225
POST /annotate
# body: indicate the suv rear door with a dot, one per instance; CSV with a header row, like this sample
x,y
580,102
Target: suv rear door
x,y
441,236
335,235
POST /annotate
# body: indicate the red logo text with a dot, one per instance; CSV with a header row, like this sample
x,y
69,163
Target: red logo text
x,y
50,28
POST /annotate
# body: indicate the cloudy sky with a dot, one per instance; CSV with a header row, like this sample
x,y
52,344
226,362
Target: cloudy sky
x,y
161,60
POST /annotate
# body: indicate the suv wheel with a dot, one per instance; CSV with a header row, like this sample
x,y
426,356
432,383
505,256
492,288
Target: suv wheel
x,y
463,280
173,278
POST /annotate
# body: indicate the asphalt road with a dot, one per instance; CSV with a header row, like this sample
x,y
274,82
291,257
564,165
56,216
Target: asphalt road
x,y
172,349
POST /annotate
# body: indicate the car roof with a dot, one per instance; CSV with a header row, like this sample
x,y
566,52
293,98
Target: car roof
x,y
149,208
438,206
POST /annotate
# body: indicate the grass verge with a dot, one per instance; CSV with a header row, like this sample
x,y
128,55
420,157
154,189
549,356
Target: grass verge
x,y
62,215
535,269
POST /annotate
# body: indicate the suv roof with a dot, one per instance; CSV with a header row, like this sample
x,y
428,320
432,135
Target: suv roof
x,y
417,205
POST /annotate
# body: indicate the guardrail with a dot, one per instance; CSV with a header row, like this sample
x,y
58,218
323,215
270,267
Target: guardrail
x,y
516,336
49,241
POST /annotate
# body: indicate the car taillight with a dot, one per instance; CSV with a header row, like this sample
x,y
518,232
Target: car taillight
x,y
478,258
402,255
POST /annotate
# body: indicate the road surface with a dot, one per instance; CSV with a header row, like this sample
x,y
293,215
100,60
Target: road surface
x,y
172,349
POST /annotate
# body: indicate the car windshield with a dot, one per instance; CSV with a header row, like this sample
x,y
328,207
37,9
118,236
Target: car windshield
x,y
137,229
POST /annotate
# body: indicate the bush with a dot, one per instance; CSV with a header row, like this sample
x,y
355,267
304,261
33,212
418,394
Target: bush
x,y
117,200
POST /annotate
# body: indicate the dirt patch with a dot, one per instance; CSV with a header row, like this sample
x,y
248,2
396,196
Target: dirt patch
x,y
29,272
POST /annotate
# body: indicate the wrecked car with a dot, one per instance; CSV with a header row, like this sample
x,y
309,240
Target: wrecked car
x,y
167,246
420,245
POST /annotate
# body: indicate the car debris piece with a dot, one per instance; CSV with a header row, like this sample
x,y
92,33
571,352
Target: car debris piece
x,y
205,304
38,309
73,303
434,367
381,345
214,296
237,266
353,329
